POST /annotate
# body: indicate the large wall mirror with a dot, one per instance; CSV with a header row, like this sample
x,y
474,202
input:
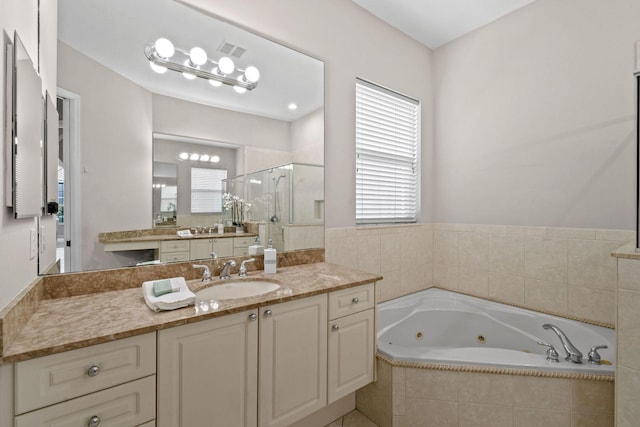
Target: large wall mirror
x,y
123,127
27,130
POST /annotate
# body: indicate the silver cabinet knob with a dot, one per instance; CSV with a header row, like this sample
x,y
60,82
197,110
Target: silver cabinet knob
x,y
268,313
252,317
94,421
335,327
93,371
355,300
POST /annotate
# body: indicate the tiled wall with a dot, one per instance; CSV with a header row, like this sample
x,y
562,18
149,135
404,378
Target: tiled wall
x,y
565,270
628,369
425,398
403,255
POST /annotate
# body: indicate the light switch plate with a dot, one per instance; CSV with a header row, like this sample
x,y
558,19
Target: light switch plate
x,y
34,243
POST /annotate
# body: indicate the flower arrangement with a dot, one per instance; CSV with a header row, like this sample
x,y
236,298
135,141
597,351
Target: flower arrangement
x,y
238,208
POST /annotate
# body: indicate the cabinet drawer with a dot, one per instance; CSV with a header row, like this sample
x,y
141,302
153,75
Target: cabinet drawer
x,y
239,242
174,246
52,379
126,405
351,300
174,256
240,251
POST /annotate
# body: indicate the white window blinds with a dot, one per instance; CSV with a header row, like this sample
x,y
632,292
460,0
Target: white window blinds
x,y
387,132
206,190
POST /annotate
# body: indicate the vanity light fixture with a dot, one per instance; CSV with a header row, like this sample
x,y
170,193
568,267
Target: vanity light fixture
x,y
163,56
198,157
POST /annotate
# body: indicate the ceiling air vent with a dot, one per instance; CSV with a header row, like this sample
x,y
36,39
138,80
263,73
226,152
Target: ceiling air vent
x,y
231,49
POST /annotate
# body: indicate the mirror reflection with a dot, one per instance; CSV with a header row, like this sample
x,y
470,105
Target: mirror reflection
x,y
124,126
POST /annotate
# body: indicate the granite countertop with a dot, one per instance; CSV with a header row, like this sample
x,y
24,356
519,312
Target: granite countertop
x,y
68,323
166,237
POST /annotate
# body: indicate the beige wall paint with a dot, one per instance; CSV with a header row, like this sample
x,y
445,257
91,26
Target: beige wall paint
x,y
534,118
18,270
307,138
115,137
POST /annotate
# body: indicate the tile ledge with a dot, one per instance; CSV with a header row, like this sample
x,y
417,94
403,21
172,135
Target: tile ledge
x,y
627,251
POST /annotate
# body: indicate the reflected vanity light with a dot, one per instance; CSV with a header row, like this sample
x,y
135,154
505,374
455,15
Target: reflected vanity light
x,y
198,157
159,185
163,56
292,106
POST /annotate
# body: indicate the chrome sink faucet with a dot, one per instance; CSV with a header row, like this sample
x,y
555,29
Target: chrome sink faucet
x,y
225,273
243,267
206,272
573,354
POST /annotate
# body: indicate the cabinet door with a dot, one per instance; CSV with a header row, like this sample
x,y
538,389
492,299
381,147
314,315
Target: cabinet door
x,y
351,353
223,247
293,360
207,372
200,248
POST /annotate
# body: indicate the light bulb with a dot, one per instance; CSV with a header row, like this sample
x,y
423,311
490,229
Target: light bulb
x,y
194,157
215,159
186,75
164,48
226,65
292,106
204,158
198,56
239,89
183,156
251,74
158,68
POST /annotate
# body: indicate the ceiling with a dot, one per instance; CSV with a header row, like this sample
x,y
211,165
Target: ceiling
x,y
115,32
437,22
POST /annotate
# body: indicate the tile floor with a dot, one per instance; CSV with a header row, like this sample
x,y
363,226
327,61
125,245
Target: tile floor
x,y
353,419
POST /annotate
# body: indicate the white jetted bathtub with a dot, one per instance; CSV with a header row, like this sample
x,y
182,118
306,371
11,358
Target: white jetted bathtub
x,y
441,327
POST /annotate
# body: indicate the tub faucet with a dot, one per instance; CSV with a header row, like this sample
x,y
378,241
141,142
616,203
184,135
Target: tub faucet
x,y
573,354
225,273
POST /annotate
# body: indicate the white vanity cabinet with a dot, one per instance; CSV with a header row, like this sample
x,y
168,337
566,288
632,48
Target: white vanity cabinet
x,y
202,248
174,250
351,340
208,372
241,245
109,384
293,360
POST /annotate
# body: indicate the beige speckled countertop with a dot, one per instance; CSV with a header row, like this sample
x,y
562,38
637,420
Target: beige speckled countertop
x,y
78,321
166,237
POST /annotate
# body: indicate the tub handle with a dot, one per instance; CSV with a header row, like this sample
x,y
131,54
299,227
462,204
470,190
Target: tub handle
x,y
552,354
594,356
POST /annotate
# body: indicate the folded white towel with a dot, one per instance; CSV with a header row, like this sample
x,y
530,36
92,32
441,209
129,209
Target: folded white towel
x,y
183,298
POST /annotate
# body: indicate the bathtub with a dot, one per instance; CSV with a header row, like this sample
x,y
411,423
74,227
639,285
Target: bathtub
x,y
440,327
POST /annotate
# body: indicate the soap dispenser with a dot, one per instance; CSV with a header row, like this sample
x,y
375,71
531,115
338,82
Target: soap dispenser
x,y
256,248
270,255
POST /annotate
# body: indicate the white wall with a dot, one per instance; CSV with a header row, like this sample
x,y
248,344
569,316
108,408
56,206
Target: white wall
x,y
176,117
115,142
352,43
18,269
307,138
534,118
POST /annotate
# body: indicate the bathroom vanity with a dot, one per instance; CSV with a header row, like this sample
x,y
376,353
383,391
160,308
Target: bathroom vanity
x,y
266,360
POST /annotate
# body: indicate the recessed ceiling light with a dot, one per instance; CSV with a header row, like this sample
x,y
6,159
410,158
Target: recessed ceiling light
x,y
292,106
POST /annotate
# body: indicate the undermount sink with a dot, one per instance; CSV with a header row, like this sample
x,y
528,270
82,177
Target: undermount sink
x,y
237,289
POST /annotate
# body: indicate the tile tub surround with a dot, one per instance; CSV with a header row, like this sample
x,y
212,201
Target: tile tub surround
x,y
407,397
565,271
628,332
73,322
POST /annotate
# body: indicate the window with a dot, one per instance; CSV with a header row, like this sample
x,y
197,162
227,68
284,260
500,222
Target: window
x,y
387,132
206,190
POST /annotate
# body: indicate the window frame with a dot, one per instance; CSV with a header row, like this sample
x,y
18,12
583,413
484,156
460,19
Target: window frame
x,y
408,211
217,201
